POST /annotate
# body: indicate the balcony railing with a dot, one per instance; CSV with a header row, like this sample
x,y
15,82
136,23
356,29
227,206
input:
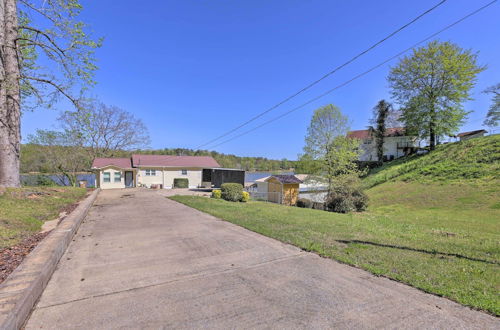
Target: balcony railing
x,y
403,145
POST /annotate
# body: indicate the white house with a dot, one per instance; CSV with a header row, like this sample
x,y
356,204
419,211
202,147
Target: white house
x,y
150,170
396,143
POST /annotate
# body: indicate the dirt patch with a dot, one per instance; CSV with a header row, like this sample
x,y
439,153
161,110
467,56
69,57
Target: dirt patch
x,y
11,257
68,209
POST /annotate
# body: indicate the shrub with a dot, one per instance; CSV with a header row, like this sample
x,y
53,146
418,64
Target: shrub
x,y
318,206
181,183
245,196
232,192
304,203
346,196
216,194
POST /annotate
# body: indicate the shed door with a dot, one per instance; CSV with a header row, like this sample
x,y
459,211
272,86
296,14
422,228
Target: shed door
x,y
290,194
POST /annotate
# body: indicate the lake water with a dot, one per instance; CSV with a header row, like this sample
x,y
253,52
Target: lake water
x,y
30,179
252,176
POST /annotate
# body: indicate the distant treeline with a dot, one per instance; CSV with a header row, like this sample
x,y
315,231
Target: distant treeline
x,y
33,159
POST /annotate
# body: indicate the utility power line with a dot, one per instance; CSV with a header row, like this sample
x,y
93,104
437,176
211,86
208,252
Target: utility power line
x,y
325,76
359,75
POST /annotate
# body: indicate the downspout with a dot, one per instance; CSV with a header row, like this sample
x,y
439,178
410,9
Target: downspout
x,y
163,178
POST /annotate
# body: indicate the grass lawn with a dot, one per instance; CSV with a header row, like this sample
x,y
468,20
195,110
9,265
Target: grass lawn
x,y
23,210
441,238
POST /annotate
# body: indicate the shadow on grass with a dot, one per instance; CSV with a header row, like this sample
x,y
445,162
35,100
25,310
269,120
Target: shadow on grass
x,y
418,250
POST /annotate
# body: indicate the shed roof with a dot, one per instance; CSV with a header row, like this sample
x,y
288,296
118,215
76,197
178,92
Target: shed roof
x,y
174,161
285,178
471,132
118,162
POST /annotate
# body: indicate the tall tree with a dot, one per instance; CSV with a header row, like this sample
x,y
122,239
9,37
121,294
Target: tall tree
x,y
431,85
62,154
104,130
328,152
493,116
382,111
39,62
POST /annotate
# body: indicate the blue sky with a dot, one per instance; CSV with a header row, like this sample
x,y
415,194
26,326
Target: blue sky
x,y
194,69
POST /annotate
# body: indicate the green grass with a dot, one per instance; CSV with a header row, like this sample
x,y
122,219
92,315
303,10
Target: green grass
x,y
441,238
21,216
475,159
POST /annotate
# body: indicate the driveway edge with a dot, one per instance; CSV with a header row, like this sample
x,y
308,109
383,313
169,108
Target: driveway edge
x,y
21,290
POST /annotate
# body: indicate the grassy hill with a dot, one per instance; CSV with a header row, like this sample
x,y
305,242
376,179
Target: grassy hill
x,y
433,222
475,159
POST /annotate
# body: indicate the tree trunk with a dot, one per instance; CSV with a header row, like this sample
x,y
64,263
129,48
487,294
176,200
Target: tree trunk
x,y
432,132
10,110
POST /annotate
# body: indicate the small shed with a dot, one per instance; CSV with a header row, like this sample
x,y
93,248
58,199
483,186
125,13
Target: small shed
x,y
283,189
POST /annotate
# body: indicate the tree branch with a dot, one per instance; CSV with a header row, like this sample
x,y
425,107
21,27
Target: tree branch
x,y
56,86
48,37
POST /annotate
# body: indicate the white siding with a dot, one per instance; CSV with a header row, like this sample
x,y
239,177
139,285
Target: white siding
x,y
148,180
369,150
193,175
112,184
166,176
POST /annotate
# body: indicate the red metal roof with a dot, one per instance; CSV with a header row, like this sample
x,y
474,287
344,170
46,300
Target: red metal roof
x,y
118,162
365,133
174,161
359,134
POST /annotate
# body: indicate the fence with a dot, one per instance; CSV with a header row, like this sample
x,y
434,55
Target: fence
x,y
274,197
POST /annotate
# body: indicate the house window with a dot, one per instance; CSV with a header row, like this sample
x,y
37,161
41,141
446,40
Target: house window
x,y
106,177
367,141
118,176
184,172
150,172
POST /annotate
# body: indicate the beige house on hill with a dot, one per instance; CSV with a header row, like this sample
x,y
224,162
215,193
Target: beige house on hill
x,y
150,171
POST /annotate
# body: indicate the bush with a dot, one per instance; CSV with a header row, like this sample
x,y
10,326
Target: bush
x,y
181,183
216,194
43,180
232,192
318,206
245,196
304,203
346,196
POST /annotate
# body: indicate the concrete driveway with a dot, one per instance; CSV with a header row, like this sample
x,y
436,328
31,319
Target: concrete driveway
x,y
142,261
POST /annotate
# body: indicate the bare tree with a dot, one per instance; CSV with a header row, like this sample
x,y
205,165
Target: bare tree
x,y
38,64
105,129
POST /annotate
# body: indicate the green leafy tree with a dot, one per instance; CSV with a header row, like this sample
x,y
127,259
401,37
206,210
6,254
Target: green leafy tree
x,y
431,85
46,53
62,154
328,153
382,111
493,115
